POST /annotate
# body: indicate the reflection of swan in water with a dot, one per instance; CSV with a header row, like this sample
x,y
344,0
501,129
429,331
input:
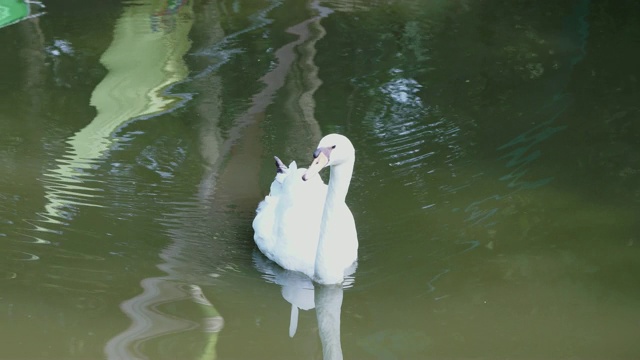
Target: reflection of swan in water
x,y
299,290
328,307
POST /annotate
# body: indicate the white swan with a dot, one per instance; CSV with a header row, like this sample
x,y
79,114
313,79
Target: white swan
x,y
305,225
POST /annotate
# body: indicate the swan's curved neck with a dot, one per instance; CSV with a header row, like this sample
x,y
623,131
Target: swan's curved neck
x,y
327,270
339,181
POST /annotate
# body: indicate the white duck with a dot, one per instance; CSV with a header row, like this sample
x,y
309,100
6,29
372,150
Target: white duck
x,y
305,226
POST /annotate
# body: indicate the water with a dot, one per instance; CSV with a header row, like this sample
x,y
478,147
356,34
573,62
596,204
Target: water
x,y
495,191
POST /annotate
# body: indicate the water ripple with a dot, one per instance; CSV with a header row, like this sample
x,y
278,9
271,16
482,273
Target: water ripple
x,y
20,256
410,133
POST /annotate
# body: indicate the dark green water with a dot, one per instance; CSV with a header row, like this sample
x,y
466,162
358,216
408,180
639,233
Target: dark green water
x,y
496,189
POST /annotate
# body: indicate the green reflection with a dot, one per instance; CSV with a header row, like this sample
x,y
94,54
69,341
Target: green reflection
x,y
142,62
12,11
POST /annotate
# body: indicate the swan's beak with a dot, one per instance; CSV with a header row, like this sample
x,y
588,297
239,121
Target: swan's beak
x,y
318,163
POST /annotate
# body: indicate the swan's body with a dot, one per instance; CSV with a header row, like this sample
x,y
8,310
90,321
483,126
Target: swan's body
x,y
304,225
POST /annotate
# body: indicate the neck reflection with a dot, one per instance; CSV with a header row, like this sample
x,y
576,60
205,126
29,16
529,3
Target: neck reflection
x,y
303,294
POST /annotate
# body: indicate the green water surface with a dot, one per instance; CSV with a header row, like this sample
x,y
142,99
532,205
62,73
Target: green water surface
x,y
496,190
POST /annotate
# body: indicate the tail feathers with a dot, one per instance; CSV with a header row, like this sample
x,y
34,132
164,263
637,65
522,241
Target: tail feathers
x,y
282,173
281,168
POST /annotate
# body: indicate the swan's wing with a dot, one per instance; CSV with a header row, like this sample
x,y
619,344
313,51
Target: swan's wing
x,y
301,204
287,222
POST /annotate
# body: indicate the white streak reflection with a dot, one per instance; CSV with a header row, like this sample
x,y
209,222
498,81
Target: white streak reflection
x,y
303,294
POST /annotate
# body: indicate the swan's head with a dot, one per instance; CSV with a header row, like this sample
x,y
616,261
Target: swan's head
x,y
333,149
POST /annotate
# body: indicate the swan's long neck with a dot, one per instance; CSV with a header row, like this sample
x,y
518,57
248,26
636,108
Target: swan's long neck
x,y
338,185
327,271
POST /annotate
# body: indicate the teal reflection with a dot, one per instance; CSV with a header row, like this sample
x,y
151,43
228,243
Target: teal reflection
x,y
14,11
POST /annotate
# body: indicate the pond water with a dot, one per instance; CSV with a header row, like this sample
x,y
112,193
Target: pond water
x,y
496,189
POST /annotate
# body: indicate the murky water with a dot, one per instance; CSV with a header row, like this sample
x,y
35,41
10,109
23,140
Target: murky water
x,y
496,189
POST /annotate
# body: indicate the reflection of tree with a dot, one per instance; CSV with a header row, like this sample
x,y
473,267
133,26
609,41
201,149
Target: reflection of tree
x,y
61,286
151,311
228,182
142,64
239,175
232,180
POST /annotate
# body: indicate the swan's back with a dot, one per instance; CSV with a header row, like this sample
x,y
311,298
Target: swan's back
x,y
287,223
